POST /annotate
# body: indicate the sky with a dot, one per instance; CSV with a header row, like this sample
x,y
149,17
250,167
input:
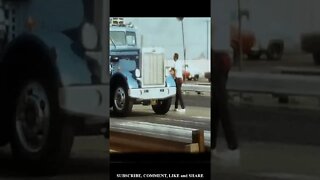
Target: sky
x,y
167,33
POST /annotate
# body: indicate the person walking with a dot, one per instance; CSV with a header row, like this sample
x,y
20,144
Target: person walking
x,y
221,66
178,76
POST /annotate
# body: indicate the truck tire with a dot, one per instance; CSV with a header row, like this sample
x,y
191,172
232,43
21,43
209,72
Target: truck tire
x,y
316,58
254,55
162,106
275,51
122,103
196,77
41,138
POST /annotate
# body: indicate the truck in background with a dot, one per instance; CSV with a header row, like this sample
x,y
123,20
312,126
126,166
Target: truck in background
x,y
276,27
137,76
53,80
253,48
310,43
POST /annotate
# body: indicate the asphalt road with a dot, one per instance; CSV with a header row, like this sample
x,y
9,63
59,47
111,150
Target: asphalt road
x,y
196,101
277,142
197,114
271,161
89,160
277,124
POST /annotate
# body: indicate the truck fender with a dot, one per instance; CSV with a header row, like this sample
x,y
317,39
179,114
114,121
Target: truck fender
x,y
28,52
170,81
126,77
70,60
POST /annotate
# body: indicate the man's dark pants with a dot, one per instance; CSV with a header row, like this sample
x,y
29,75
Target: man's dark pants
x,y
179,93
220,107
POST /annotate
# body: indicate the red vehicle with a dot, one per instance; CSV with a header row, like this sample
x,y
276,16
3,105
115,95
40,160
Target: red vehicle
x,y
189,76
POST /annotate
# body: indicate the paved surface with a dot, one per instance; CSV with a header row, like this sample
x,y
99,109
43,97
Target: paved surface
x,y
88,161
265,119
195,116
277,141
271,161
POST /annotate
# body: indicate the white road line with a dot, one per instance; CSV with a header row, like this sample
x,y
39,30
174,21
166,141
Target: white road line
x,y
200,117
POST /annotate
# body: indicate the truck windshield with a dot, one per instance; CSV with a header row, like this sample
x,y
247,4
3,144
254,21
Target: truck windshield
x,y
131,38
120,38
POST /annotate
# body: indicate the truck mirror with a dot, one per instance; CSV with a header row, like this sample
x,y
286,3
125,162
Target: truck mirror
x,y
89,36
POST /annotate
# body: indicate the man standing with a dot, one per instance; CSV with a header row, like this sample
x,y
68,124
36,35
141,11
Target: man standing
x,y
221,64
178,79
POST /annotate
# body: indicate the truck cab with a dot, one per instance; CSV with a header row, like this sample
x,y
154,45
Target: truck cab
x,y
137,75
53,81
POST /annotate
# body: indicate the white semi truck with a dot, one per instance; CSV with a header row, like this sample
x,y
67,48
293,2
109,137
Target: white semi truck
x,y
53,77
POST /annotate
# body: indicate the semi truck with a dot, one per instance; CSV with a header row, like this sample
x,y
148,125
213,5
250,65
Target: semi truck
x,y
53,78
137,76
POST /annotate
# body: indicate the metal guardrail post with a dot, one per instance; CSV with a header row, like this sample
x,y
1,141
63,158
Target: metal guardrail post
x,y
133,136
192,148
198,137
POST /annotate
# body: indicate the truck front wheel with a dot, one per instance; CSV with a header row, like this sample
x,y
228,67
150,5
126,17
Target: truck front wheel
x,y
122,103
41,138
162,106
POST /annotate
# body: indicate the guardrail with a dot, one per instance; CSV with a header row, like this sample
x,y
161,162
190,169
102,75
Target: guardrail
x,y
198,88
276,84
299,71
133,136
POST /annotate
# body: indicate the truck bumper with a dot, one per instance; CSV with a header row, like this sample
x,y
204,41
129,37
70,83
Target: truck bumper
x,y
89,101
152,93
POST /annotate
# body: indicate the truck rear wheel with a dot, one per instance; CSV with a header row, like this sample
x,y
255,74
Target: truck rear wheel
x,y
41,138
275,51
162,106
316,58
122,103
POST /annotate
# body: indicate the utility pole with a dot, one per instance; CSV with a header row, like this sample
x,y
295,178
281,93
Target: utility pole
x,y
239,35
184,45
208,41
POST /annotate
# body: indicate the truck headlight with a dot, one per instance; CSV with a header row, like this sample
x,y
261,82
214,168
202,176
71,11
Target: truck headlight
x,y
89,36
137,73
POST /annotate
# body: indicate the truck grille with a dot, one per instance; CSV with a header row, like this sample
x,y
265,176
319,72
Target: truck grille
x,y
153,69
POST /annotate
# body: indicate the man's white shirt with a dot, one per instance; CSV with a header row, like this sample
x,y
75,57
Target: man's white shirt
x,y
178,66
